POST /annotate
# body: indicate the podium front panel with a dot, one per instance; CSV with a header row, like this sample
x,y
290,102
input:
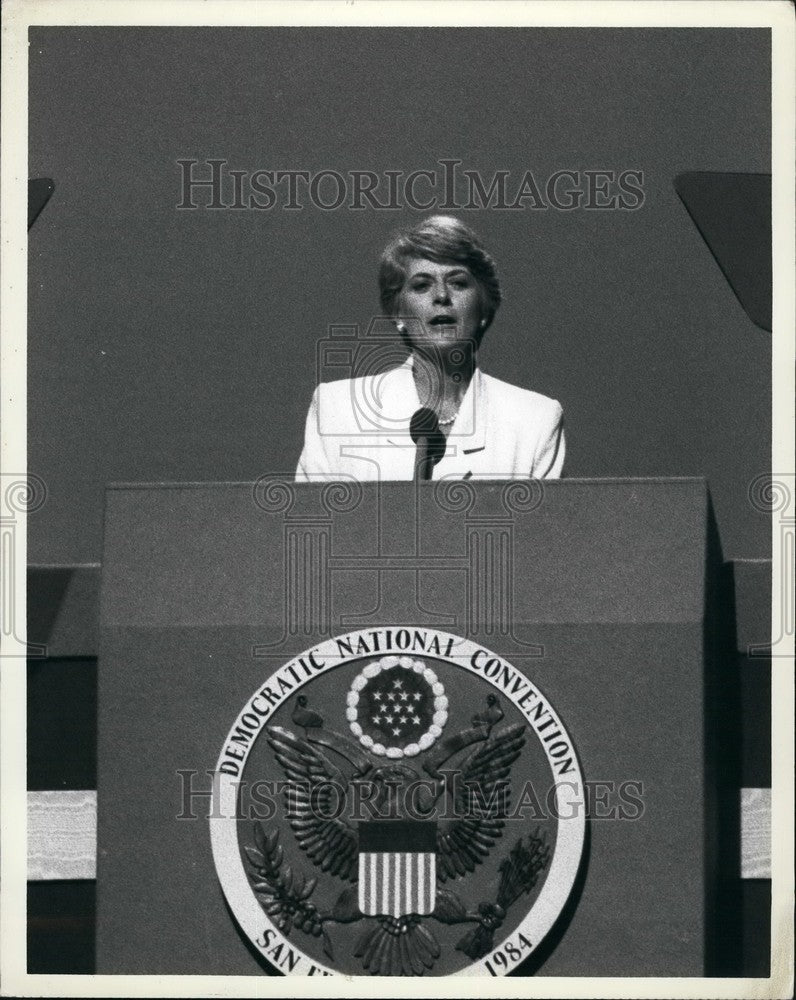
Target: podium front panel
x,y
596,591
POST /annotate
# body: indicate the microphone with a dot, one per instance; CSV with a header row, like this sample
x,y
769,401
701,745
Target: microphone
x,y
430,441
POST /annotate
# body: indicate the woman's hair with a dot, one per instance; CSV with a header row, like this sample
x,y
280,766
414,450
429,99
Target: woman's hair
x,y
443,239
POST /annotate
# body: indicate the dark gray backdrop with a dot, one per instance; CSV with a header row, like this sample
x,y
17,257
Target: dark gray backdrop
x,y
168,345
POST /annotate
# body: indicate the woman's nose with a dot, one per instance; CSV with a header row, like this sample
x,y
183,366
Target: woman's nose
x,y
441,294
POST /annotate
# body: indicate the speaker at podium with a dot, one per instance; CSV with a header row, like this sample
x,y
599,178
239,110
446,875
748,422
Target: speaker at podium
x,y
443,728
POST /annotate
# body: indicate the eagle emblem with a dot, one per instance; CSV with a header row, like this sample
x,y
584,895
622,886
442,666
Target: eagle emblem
x,y
395,821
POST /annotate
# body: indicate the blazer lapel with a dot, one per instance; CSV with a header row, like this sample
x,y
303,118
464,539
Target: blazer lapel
x,y
399,400
468,433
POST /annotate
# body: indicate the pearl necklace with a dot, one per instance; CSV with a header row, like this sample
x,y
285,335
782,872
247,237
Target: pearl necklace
x,y
445,423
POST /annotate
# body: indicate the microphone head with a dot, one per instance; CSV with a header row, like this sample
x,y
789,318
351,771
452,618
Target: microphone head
x,y
424,423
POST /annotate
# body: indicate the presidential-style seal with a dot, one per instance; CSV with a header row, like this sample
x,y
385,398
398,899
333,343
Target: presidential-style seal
x,y
397,801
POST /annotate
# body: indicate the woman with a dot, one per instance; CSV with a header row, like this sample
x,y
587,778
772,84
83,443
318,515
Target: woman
x,y
441,290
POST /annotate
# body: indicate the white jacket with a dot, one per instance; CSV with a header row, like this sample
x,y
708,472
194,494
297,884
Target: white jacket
x,y
359,429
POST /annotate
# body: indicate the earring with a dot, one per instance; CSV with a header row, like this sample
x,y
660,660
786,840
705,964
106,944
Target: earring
x,y
400,327
483,323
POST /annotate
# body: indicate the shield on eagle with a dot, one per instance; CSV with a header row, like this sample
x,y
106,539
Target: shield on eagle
x,y
397,867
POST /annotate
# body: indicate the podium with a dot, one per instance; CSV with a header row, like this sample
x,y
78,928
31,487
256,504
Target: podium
x,y
601,592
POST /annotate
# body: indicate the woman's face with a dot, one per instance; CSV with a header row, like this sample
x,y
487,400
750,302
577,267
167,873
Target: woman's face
x,y
444,301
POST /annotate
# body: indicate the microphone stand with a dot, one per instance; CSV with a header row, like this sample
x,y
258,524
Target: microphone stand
x,y
430,441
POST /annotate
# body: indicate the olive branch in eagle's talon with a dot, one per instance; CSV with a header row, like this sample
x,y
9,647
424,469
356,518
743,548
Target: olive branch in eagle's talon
x,y
283,893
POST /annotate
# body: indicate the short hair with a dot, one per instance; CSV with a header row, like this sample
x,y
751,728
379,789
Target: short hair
x,y
443,239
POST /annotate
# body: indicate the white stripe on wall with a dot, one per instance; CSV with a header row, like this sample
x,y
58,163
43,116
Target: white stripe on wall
x,y
756,832
62,837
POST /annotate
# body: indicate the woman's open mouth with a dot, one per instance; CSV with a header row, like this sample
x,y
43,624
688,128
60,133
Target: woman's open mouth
x,y
443,319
